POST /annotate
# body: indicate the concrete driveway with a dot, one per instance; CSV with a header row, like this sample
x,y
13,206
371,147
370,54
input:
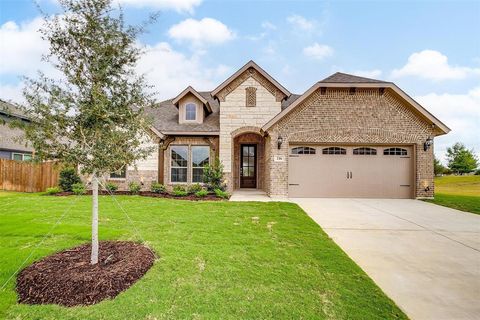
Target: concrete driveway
x,y
425,257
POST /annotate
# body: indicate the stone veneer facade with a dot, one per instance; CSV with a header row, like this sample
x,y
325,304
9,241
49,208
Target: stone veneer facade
x,y
339,117
235,115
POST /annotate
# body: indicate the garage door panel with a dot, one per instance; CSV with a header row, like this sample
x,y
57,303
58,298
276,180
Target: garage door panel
x,y
351,175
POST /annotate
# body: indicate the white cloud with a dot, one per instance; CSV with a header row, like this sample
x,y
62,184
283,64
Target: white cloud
x,y
460,112
368,73
300,22
12,92
170,71
432,65
267,25
21,47
318,51
201,32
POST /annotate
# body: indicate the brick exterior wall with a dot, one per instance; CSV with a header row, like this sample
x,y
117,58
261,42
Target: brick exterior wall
x,y
365,117
234,115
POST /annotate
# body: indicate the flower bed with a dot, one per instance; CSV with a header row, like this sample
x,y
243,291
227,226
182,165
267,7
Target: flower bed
x,y
191,197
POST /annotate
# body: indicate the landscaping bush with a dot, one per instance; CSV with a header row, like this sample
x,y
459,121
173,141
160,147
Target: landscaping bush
x,y
68,177
134,187
157,188
79,189
201,193
53,190
213,176
194,188
179,191
111,187
221,194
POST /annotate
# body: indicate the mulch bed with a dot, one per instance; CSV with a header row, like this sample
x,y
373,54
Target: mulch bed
x,y
191,197
67,278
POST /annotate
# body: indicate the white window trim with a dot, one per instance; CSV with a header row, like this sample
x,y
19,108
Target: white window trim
x,y
196,111
21,154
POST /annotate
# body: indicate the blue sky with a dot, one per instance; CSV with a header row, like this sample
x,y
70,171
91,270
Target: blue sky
x,y
431,49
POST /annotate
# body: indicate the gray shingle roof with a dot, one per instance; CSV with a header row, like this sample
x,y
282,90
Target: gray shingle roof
x,y
340,77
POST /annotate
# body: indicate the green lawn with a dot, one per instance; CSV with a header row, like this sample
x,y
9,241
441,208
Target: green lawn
x,y
458,192
214,261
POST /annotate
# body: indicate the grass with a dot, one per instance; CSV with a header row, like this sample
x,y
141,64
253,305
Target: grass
x,y
215,261
458,192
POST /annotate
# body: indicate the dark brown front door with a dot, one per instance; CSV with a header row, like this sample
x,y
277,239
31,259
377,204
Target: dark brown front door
x,y
248,166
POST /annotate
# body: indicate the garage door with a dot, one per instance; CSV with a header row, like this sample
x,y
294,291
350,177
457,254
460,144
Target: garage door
x,y
350,171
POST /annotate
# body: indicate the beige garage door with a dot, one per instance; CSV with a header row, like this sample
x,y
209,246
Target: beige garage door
x,y
350,171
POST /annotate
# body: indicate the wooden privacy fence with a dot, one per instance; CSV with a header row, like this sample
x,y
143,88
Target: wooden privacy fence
x,y
26,176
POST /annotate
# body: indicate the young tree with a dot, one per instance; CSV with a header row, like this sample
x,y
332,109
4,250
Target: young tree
x,y
93,116
460,159
438,167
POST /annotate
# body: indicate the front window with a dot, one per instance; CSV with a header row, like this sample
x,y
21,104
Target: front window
x,y
21,156
190,111
179,163
120,174
200,158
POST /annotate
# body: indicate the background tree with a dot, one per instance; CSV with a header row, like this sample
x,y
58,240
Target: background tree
x,y
438,167
93,116
460,159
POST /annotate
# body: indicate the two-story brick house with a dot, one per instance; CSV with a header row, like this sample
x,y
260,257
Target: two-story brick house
x,y
346,136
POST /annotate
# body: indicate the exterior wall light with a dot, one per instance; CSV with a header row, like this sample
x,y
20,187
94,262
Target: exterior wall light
x,y
279,142
427,143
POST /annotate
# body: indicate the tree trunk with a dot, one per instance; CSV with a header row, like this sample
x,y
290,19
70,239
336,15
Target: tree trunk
x,y
94,256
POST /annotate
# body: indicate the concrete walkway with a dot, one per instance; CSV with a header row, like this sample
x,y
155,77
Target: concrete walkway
x,y
250,195
423,256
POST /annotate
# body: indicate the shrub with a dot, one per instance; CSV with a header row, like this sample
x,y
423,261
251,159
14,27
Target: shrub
x,y
213,176
179,191
79,189
194,188
53,190
134,187
477,173
111,187
221,194
201,193
68,177
157,188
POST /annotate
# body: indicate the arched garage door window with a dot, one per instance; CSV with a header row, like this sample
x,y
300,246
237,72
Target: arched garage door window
x,y
303,150
395,152
365,151
334,150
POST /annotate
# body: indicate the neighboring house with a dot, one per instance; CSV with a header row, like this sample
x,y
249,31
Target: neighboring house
x,y
346,136
12,144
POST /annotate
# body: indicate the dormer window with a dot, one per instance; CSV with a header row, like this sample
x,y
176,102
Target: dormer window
x,y
251,96
190,111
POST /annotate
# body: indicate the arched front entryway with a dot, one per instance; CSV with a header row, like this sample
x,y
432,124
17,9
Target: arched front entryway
x,y
248,161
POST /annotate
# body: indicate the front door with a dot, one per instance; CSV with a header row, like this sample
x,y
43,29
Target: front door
x,y
248,166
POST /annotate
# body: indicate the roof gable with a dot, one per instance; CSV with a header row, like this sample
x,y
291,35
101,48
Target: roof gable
x,y
190,90
441,127
250,69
